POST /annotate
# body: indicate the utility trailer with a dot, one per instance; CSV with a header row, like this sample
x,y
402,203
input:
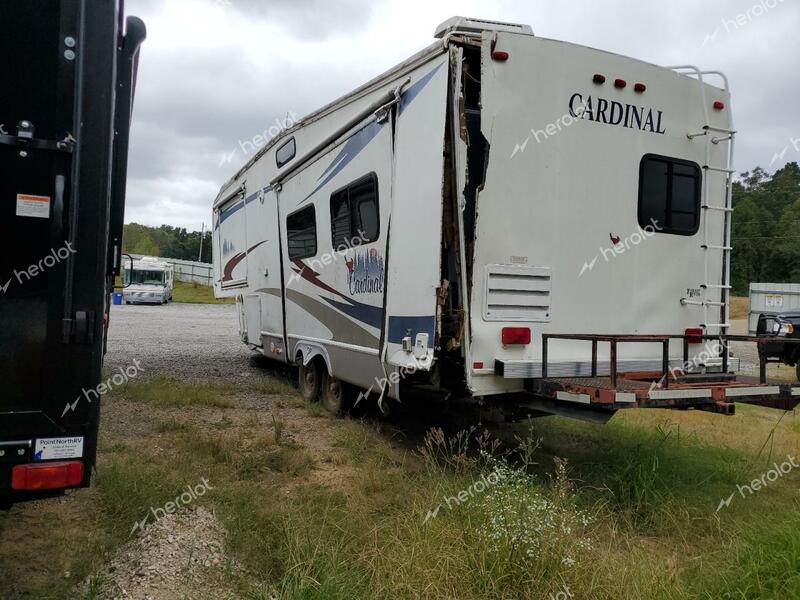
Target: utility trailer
x,y
513,220
67,74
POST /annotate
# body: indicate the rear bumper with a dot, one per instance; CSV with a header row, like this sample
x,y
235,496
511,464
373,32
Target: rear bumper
x,y
648,391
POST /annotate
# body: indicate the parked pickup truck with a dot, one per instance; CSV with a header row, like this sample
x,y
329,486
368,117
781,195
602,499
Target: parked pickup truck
x,y
781,327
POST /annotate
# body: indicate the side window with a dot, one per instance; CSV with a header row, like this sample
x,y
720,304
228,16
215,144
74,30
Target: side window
x,y
285,153
669,195
354,213
301,231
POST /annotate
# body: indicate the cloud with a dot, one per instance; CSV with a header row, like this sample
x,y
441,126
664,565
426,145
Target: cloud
x,y
217,72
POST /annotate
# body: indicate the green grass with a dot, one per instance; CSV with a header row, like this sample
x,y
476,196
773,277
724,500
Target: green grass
x,y
634,503
170,392
194,293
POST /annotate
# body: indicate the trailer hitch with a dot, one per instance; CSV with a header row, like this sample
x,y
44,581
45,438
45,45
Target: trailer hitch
x,y
25,140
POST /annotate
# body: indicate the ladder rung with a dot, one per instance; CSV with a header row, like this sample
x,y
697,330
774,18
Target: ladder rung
x,y
715,286
708,128
711,247
722,208
684,301
717,140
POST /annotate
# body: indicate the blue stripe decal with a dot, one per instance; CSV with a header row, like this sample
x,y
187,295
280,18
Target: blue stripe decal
x,y
369,315
352,148
400,326
359,140
413,91
228,212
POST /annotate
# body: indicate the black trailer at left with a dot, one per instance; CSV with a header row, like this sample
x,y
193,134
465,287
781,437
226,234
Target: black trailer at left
x,y
67,78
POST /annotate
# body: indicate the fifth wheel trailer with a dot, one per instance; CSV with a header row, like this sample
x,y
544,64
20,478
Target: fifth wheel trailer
x,y
67,75
525,222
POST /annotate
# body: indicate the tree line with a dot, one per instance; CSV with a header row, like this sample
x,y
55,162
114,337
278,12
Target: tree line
x,y
764,231
166,241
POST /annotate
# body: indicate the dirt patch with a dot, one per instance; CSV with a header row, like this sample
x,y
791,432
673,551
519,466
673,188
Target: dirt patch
x,y
181,556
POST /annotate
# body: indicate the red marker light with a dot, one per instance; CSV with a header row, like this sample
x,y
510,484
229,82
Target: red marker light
x,y
516,336
599,78
477,365
500,55
47,476
620,83
693,335
640,87
719,105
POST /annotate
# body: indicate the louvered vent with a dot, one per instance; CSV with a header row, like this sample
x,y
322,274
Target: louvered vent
x,y
517,293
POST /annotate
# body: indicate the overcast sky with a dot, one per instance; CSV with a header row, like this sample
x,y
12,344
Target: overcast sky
x,y
216,73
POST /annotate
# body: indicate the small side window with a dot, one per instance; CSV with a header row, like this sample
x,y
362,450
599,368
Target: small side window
x,y
285,153
669,195
355,213
301,231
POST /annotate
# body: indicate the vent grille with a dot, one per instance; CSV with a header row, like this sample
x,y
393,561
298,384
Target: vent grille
x,y
515,293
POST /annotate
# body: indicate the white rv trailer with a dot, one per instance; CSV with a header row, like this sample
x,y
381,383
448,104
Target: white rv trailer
x,y
504,217
148,281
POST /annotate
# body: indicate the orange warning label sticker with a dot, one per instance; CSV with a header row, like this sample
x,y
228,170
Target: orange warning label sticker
x,y
33,206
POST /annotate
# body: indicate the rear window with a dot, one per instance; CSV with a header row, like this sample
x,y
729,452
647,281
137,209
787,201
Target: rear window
x,y
301,231
669,195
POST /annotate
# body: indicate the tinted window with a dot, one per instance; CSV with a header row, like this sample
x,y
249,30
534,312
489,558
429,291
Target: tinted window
x,y
301,230
285,153
354,213
669,195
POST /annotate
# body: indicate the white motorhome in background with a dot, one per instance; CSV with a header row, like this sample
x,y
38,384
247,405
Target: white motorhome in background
x,y
148,281
436,227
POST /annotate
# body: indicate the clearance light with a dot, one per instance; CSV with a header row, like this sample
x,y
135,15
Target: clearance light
x,y
620,83
47,476
500,55
693,335
640,87
719,105
599,78
516,336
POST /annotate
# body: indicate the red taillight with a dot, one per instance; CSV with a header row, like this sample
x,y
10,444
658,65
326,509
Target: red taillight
x,y
640,87
477,365
47,476
500,55
620,83
516,336
719,105
598,78
693,335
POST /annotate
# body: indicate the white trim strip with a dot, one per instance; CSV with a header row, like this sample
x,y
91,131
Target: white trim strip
x,y
580,398
625,397
674,394
353,347
763,390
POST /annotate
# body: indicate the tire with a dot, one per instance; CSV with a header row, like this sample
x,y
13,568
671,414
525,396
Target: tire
x,y
337,395
797,371
309,381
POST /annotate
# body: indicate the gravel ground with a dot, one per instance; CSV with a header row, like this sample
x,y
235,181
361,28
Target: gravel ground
x,y
182,341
